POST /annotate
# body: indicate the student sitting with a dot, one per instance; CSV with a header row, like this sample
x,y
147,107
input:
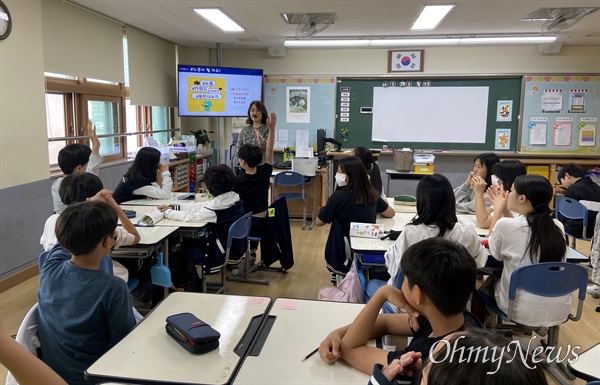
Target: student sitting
x,y
220,212
532,237
471,357
436,217
503,175
577,186
439,277
83,311
465,194
77,158
252,185
372,168
146,178
356,201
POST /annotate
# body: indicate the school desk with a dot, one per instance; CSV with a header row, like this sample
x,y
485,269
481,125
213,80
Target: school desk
x,y
140,211
299,328
172,200
393,174
401,219
587,365
148,354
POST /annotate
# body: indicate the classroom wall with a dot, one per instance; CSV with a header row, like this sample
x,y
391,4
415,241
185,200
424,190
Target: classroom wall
x,y
23,138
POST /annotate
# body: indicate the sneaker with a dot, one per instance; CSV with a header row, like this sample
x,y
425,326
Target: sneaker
x,y
594,291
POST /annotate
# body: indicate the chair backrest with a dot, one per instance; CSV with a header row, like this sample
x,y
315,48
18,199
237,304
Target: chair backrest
x,y
572,209
238,230
549,279
289,178
27,336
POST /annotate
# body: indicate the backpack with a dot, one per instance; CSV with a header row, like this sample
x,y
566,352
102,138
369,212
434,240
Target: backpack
x,y
351,289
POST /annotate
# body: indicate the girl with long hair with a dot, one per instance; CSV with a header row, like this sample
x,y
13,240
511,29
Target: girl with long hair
x,y
256,132
146,178
531,237
371,167
465,194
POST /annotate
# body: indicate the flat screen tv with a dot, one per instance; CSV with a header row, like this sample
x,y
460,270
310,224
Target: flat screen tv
x,y
217,91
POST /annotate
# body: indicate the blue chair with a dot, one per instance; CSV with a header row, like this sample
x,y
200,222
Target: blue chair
x,y
290,179
549,279
572,209
239,230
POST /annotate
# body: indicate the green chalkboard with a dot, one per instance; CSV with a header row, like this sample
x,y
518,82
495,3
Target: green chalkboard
x,y
354,122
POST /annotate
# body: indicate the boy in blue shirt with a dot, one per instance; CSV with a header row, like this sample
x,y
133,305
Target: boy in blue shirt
x,y
83,311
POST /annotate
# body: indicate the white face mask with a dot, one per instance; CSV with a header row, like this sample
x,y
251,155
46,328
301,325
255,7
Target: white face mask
x,y
495,181
340,179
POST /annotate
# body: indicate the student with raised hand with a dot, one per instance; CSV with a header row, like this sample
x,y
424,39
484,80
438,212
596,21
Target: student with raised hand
x,y
576,185
439,278
252,185
372,168
146,178
77,158
465,194
503,175
436,217
257,130
531,237
496,362
83,311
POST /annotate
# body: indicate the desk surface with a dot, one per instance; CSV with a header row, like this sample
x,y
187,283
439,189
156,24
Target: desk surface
x,y
149,354
401,219
140,211
588,363
158,202
394,174
299,328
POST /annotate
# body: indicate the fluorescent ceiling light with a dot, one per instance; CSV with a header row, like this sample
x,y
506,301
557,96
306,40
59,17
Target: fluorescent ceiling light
x,y
399,42
431,16
508,40
220,19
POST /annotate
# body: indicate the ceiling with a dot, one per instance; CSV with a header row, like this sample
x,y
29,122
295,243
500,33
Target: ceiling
x,y
175,21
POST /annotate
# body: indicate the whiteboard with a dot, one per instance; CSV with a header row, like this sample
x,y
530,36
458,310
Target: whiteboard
x,y
430,114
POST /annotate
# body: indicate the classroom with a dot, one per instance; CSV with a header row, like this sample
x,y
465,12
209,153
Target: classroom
x,y
82,38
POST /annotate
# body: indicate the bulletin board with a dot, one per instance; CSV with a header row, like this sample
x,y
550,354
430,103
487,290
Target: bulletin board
x,y
560,115
303,105
452,113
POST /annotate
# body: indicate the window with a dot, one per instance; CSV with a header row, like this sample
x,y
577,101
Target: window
x,y
149,118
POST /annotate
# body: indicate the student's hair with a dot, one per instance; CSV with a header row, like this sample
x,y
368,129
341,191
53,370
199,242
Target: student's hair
x,y
475,366
145,165
82,226
571,169
78,187
261,107
219,179
507,171
546,241
73,155
444,270
371,166
488,159
358,181
436,204
251,154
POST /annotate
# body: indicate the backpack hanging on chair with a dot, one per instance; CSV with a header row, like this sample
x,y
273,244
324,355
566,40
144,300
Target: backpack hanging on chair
x,y
351,289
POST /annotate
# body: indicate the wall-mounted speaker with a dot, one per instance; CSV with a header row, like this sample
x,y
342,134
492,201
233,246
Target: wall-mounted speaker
x,y
549,47
276,50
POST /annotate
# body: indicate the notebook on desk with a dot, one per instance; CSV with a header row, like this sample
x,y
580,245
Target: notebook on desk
x,y
285,165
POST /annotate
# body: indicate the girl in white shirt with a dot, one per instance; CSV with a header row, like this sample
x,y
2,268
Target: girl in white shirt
x,y
532,237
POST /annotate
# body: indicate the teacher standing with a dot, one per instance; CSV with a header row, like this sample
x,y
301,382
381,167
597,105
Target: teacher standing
x,y
256,132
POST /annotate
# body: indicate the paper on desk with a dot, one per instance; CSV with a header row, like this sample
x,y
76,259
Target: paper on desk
x,y
366,230
152,217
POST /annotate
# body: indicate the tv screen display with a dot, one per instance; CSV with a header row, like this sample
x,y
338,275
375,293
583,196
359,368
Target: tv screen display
x,y
217,91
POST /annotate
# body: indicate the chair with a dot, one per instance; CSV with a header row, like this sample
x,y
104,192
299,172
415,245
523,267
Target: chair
x,y
27,336
240,230
289,179
549,279
572,209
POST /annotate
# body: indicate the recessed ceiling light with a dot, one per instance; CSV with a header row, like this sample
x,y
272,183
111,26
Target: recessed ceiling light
x,y
431,16
220,19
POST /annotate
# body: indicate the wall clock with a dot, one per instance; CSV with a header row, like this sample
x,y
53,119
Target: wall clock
x,y
5,21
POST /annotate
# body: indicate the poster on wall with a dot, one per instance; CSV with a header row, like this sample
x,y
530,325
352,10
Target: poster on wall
x,y
298,104
563,130
502,139
587,132
537,131
552,101
577,101
504,111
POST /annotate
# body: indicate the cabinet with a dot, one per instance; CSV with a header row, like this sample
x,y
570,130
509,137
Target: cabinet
x,y
188,173
179,173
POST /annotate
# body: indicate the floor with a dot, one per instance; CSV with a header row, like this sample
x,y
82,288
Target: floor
x,y
302,281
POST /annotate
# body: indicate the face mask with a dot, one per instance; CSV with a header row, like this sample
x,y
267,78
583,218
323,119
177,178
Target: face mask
x,y
340,179
495,181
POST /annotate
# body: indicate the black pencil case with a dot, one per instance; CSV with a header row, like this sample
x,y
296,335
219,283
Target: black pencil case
x,y
195,335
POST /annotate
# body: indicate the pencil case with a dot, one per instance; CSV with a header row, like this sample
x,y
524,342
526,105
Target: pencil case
x,y
407,200
193,334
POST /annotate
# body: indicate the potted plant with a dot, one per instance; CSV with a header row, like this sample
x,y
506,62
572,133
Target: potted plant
x,y
202,136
